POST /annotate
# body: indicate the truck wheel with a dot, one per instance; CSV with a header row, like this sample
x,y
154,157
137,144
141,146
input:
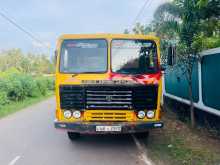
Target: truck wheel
x,y
142,135
73,135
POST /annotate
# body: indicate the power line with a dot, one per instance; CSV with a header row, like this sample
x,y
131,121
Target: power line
x,y
139,12
32,36
136,17
149,4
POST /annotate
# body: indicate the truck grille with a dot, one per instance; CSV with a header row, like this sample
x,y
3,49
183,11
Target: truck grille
x,y
108,97
106,115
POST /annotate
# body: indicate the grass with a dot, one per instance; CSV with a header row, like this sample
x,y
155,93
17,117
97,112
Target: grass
x,y
16,106
177,144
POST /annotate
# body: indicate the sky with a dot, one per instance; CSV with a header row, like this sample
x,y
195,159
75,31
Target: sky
x,y
48,19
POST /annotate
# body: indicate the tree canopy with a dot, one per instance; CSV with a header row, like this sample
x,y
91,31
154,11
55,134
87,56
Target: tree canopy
x,y
26,63
195,23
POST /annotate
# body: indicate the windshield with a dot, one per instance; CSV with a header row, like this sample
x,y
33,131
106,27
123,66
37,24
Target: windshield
x,y
83,55
134,56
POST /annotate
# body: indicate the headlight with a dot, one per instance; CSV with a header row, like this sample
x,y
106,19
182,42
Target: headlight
x,y
67,114
141,114
77,114
150,114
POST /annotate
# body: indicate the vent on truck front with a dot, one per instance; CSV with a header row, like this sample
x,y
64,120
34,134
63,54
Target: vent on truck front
x,y
109,97
145,97
72,97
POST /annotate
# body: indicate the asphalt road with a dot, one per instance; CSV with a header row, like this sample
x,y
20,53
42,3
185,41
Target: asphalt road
x,y
28,137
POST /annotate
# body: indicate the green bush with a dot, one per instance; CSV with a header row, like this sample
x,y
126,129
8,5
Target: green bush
x,y
15,86
50,83
3,92
4,85
42,85
16,91
3,98
29,86
18,79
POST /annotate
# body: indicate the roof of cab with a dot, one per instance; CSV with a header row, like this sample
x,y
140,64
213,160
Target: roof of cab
x,y
107,36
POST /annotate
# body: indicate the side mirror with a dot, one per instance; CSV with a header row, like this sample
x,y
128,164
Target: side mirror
x,y
55,57
163,67
171,55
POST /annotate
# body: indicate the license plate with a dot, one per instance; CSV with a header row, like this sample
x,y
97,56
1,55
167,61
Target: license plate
x,y
108,128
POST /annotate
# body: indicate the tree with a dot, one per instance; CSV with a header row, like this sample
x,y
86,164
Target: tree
x,y
142,29
126,31
26,63
183,18
11,58
184,23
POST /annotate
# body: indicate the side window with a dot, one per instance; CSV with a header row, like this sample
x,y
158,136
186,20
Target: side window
x,y
65,59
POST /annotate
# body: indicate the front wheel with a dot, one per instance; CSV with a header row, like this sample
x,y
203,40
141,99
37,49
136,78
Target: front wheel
x,y
73,135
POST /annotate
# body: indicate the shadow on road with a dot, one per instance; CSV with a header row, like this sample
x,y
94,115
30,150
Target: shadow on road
x,y
105,139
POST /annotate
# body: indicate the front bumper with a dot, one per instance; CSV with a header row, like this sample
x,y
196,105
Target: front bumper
x,y
90,127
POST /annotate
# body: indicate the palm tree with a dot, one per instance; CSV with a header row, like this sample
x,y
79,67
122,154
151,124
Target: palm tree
x,y
141,29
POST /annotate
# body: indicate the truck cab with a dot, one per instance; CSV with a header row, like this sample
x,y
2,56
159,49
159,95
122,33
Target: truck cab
x,y
107,83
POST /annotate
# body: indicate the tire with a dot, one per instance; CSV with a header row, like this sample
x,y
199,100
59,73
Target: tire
x,y
73,135
142,135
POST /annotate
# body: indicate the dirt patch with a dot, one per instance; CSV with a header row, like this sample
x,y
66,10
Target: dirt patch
x,y
178,144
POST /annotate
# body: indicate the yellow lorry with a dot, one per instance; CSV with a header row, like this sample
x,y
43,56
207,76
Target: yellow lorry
x,y
108,83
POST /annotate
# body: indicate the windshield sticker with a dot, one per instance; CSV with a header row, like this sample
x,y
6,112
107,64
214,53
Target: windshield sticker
x,y
82,45
130,45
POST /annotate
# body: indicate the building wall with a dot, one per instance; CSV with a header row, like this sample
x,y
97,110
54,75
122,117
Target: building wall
x,y
211,80
206,83
176,83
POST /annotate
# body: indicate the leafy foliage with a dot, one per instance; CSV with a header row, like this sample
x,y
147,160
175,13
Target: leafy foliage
x,y
3,98
17,86
184,22
42,85
191,25
26,63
